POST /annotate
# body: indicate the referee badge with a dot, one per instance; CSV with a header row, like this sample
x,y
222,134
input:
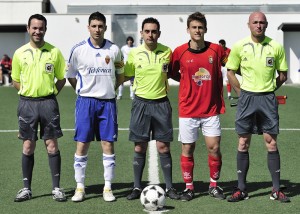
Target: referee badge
x,y
49,68
165,67
270,61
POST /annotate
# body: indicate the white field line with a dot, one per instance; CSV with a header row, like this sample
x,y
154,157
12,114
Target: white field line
x,y
153,170
127,129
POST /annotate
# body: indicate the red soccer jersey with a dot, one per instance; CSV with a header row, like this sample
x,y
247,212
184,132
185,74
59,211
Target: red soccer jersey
x,y
227,52
201,82
6,63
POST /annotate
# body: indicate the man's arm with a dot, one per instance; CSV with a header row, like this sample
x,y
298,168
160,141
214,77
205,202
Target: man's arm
x,y
175,77
60,84
173,70
120,80
282,77
73,82
234,82
16,85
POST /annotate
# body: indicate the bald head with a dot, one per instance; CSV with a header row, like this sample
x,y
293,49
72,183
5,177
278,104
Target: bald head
x,y
257,15
257,25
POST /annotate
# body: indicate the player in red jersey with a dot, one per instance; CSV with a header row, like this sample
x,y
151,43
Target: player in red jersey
x,y
227,50
5,68
197,65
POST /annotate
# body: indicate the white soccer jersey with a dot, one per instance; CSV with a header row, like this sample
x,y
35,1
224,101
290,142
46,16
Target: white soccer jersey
x,y
125,51
95,69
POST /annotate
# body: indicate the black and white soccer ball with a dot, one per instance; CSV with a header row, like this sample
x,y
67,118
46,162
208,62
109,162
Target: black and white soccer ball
x,y
153,197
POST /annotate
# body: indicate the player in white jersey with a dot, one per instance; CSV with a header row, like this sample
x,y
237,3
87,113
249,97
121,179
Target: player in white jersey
x,y
95,71
125,51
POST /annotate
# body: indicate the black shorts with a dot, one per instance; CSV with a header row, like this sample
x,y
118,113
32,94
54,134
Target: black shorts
x,y
151,117
43,111
257,113
5,70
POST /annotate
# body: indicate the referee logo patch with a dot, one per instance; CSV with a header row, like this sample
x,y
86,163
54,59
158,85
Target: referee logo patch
x,y
49,68
270,61
165,67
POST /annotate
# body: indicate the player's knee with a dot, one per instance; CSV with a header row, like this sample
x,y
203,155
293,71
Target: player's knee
x,y
140,148
163,147
28,147
52,146
271,146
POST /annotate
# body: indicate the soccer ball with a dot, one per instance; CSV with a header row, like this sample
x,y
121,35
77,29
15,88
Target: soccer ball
x,y
153,197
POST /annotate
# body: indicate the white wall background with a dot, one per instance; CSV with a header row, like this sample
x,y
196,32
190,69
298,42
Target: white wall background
x,y
60,6
17,12
66,30
293,53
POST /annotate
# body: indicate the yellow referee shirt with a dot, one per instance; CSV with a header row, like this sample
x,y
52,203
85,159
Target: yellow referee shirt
x,y
36,69
149,69
258,62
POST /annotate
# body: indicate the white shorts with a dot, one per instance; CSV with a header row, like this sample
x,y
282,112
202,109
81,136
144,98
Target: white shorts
x,y
189,128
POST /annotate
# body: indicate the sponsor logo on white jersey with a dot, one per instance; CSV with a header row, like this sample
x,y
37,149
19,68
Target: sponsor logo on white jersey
x,y
98,70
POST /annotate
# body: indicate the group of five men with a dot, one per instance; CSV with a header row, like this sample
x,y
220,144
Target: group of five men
x,y
96,70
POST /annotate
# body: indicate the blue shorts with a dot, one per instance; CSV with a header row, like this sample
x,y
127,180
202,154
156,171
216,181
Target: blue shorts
x,y
95,118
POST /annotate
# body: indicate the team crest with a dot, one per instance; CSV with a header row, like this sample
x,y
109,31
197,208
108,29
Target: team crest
x,y
210,59
270,61
49,68
107,59
165,67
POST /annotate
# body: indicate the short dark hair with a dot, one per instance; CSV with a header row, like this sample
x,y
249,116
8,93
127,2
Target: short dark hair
x,y
197,16
222,42
151,20
38,17
97,16
130,38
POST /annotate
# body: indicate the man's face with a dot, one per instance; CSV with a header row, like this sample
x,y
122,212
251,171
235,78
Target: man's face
x,y
196,30
150,34
97,29
36,31
257,24
130,43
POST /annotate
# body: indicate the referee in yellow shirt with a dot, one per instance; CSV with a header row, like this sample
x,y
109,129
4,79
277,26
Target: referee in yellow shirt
x,y
36,67
151,113
262,63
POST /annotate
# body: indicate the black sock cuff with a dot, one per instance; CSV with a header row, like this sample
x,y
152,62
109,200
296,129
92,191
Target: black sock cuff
x,y
273,152
165,155
243,153
28,156
139,155
54,154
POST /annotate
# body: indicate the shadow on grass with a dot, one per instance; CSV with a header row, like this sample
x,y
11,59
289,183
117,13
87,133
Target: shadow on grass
x,y
263,188
254,189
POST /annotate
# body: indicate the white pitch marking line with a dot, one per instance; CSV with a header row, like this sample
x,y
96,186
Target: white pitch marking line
x,y
153,171
127,129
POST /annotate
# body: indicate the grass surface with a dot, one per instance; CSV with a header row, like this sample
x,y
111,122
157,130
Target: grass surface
x,y
259,181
